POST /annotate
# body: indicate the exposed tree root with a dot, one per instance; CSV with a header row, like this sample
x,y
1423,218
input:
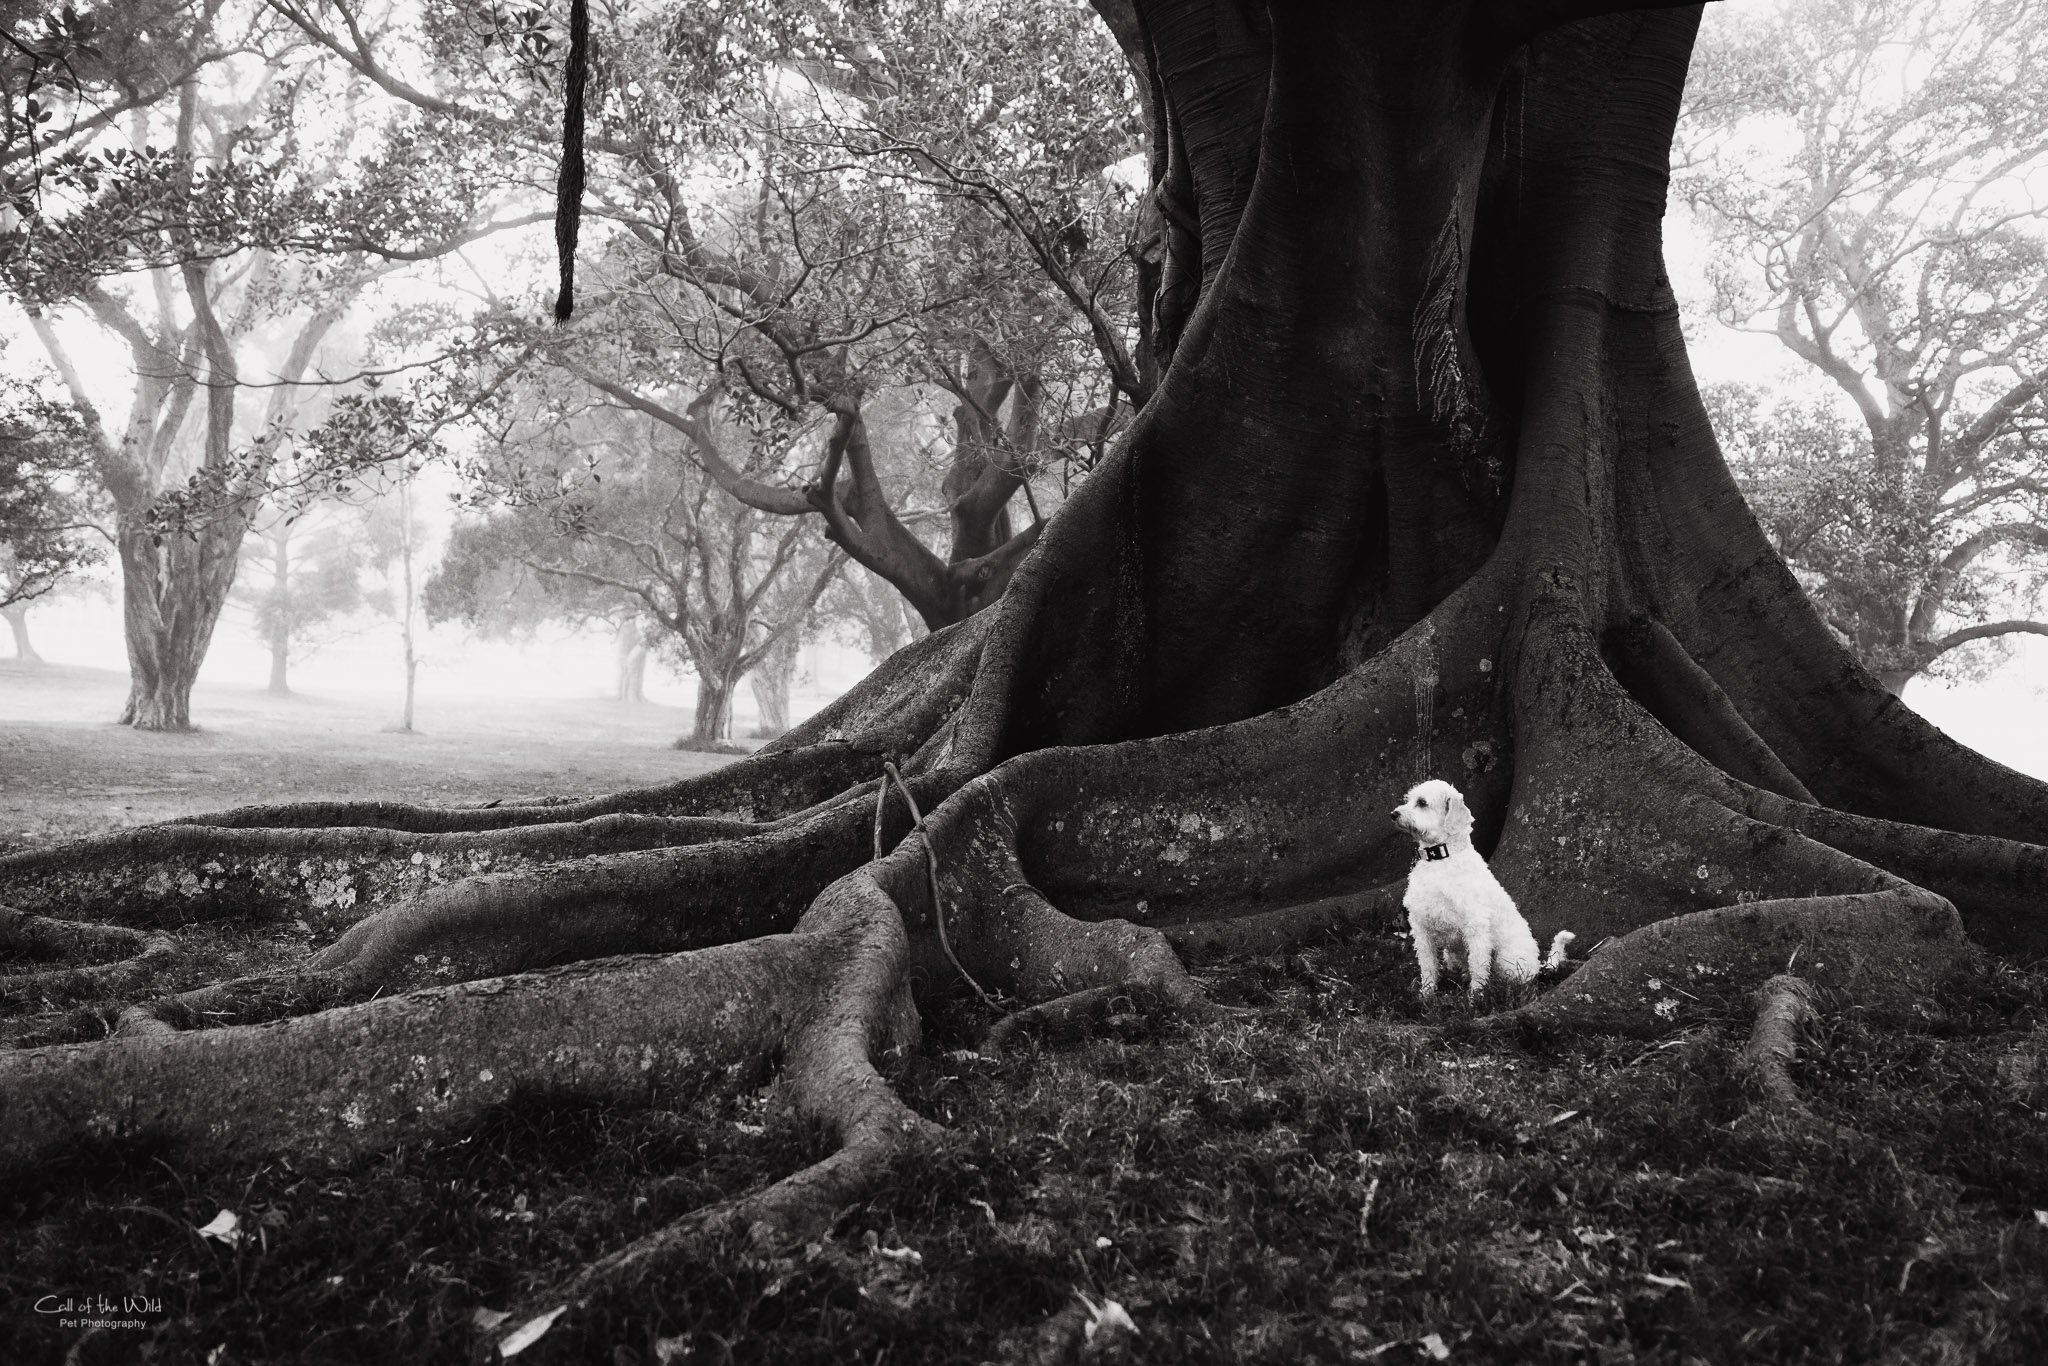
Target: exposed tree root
x,y
142,957
1887,950
1205,941
1784,1012
858,1010
169,875
348,1081
1650,663
654,900
1074,1016
2000,887
37,936
238,1001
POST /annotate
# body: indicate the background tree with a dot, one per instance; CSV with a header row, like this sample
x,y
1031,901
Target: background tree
x,y
819,219
302,569
867,613
609,516
46,532
248,183
842,218
1426,488
1865,169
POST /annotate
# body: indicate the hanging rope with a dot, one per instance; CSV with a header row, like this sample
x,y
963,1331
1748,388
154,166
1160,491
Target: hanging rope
x,y
569,188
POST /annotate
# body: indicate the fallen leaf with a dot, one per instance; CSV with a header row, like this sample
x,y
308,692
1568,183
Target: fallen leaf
x,y
1108,1316
487,1319
224,1227
1559,1119
529,1332
901,1254
1433,1344
2041,1217
1668,1282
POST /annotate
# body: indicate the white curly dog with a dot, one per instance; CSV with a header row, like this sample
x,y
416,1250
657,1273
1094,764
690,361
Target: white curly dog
x,y
1454,902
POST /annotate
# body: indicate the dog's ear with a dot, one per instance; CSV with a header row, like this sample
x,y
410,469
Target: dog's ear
x,y
1457,816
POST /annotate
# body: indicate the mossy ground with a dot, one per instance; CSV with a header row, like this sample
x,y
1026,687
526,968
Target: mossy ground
x,y
1338,1174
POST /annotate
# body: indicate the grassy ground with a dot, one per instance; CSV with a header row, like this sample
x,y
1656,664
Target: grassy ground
x,y
66,769
1338,1175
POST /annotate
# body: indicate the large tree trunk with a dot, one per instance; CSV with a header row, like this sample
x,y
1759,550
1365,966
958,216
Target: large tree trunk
x,y
1427,490
17,624
711,718
172,589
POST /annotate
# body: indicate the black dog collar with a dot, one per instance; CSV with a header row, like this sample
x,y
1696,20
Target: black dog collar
x,y
1434,852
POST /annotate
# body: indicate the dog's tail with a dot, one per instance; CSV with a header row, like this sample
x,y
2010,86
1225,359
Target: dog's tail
x,y
1557,947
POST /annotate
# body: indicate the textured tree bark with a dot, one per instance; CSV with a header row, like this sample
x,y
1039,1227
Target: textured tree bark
x,y
1427,489
172,592
711,720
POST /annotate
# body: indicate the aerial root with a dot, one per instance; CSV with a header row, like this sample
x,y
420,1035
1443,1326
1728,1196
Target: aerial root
x,y
1785,1011
931,864
143,956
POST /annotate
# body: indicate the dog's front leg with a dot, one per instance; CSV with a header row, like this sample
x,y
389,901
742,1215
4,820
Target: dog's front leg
x,y
1425,958
1478,961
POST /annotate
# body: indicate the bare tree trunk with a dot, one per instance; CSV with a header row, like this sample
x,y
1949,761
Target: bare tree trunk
x,y
17,622
713,717
173,589
630,645
405,620
280,632
771,681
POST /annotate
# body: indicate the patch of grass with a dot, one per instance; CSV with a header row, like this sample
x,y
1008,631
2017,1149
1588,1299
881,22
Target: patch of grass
x,y
1339,1173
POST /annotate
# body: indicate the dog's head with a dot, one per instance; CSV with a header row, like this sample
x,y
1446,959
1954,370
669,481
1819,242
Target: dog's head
x,y
1434,813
